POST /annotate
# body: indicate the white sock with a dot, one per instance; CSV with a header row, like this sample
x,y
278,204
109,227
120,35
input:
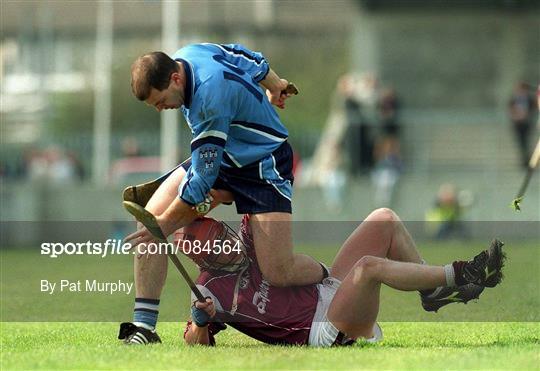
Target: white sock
x,y
450,275
144,325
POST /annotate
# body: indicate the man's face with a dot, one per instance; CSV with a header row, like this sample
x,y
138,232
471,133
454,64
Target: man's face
x,y
170,98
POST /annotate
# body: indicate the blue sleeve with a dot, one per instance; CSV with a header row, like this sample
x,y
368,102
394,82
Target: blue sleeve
x,y
206,154
210,120
249,61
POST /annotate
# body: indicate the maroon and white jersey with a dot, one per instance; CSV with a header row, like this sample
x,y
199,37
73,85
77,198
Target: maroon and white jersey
x,y
274,315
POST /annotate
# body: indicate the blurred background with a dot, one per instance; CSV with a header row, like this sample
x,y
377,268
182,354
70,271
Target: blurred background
x,y
425,106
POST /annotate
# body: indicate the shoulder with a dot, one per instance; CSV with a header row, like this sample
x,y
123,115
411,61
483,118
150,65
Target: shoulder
x,y
219,287
203,57
213,279
213,95
196,49
212,85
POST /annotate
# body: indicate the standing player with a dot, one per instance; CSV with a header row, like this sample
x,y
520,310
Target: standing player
x,y
239,145
345,305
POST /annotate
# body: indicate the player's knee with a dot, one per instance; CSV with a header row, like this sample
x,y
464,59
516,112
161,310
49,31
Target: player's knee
x,y
366,268
384,214
385,220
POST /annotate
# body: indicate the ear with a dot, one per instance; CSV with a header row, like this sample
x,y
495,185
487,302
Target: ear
x,y
176,78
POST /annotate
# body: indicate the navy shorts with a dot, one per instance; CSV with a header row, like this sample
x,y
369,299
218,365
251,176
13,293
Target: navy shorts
x,y
261,187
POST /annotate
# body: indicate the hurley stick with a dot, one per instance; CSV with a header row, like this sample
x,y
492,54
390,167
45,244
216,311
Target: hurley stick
x,y
149,221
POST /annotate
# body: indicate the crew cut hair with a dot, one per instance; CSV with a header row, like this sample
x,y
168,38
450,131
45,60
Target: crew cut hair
x,y
152,70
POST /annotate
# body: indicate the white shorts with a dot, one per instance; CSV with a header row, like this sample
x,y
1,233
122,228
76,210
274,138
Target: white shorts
x,y
323,333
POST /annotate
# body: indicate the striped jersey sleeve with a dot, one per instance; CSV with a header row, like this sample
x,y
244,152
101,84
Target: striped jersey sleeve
x,y
210,126
247,60
206,155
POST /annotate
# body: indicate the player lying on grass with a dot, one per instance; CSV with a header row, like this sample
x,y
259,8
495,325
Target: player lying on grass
x,y
343,307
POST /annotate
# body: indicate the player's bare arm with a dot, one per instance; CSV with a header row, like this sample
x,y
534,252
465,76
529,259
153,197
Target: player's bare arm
x,y
182,213
163,202
275,86
197,333
179,213
171,212
164,195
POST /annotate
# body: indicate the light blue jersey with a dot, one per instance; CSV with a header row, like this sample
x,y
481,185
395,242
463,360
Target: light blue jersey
x,y
232,122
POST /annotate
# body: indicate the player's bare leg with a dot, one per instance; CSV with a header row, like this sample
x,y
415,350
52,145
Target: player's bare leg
x,y
381,234
155,265
272,237
355,306
150,270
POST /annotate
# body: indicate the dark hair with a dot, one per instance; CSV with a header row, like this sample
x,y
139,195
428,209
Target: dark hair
x,y
149,71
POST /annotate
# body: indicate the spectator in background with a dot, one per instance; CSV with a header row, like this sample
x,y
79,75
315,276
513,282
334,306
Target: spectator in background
x,y
335,179
445,218
37,165
388,109
388,167
51,165
78,167
522,110
359,93
61,169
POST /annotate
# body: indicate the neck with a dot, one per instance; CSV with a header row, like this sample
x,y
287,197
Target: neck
x,y
182,73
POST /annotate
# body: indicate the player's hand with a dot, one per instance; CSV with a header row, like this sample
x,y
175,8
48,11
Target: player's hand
x,y
276,96
208,306
201,313
140,239
142,235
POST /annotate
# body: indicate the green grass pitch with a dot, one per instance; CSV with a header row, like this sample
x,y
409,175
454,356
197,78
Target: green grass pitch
x,y
500,331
